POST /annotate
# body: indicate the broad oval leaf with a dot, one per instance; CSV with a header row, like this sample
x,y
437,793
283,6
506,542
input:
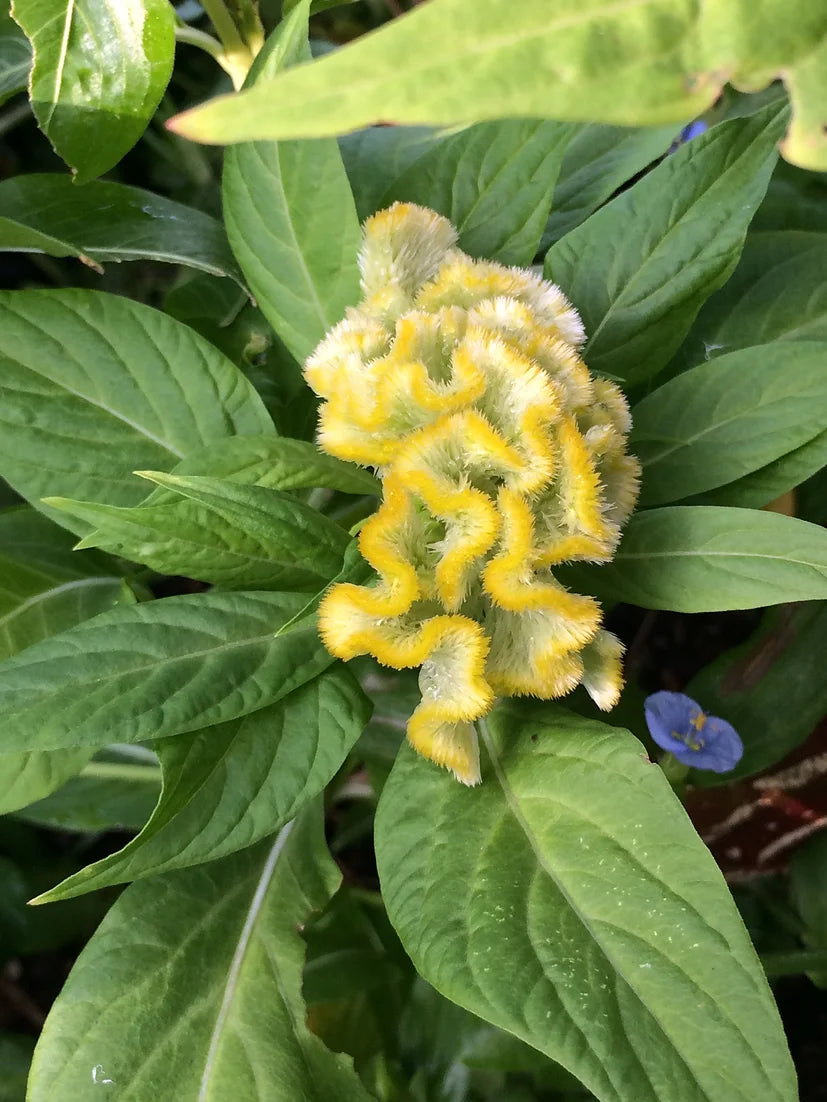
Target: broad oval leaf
x,y
99,70
728,418
45,587
493,181
467,60
290,216
597,161
641,267
94,386
222,942
706,558
225,533
105,221
228,786
569,900
159,669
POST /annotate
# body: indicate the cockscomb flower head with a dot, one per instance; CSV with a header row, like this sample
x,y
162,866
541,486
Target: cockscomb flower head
x,y
501,457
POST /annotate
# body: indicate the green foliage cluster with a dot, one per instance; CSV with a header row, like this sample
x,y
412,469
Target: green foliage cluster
x,y
561,931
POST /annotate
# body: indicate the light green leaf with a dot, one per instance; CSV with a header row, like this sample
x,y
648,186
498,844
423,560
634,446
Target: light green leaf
x,y
276,462
15,60
728,418
641,267
752,687
597,161
113,792
191,987
226,533
462,61
494,181
227,787
701,558
45,587
100,68
569,901
104,221
290,216
158,669
94,386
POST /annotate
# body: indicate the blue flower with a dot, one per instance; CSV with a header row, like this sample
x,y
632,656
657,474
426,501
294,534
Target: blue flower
x,y
678,724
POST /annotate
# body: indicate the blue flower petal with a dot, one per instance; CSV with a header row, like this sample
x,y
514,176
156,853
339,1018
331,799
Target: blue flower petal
x,y
678,724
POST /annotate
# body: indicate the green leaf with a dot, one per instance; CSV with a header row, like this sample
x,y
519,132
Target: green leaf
x,y
95,386
228,786
752,687
290,216
15,1057
45,587
569,901
641,267
376,157
158,669
776,293
113,792
226,533
104,221
276,462
728,418
100,68
193,982
598,160
702,558
15,63
808,888
755,490
494,181
462,61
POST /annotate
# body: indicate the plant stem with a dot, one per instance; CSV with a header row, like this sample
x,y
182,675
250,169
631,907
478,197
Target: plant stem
x,y
193,37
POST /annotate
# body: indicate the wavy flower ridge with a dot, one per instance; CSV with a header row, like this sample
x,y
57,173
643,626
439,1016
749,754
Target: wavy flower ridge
x,y
501,457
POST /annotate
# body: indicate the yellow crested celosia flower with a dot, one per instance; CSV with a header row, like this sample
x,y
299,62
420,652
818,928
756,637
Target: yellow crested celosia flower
x,y
500,457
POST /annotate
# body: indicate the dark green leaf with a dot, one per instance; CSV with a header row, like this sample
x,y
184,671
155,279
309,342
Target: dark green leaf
x,y
706,559
226,533
15,60
116,791
808,887
228,786
728,418
95,386
159,669
15,1057
569,901
191,987
597,161
100,68
641,267
494,182
378,156
290,217
753,685
104,221
45,587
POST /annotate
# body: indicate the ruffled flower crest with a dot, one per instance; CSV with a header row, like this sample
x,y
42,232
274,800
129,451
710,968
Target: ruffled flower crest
x,y
501,457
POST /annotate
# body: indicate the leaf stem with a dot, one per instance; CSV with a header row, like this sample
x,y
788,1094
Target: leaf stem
x,y
795,962
116,771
